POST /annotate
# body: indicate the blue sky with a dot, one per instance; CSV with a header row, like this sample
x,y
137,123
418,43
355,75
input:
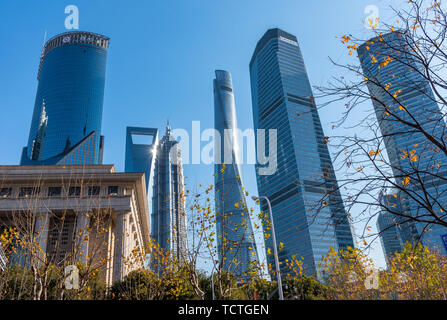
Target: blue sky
x,y
162,59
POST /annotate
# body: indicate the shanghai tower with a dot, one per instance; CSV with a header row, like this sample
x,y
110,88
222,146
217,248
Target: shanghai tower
x,y
236,243
66,122
282,100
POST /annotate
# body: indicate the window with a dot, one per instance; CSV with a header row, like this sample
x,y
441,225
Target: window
x,y
28,191
5,192
54,191
113,190
226,88
74,191
94,191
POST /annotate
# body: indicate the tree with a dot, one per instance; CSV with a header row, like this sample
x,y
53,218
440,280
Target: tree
x,y
350,274
402,73
44,255
416,273
217,250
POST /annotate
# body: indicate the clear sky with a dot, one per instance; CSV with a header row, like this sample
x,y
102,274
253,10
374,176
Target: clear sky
x,y
162,58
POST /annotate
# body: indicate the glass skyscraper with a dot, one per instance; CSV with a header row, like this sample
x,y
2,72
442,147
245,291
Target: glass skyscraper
x,y
168,221
283,100
66,122
236,243
140,157
394,229
408,89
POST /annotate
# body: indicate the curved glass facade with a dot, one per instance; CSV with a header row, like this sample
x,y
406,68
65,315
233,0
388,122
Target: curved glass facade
x,y
69,99
283,100
236,243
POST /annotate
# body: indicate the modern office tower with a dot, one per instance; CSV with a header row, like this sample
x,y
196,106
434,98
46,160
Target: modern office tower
x,y
66,123
283,100
168,219
394,230
389,235
140,155
404,87
236,243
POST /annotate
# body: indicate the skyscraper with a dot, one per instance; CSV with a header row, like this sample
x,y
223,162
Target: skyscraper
x,y
283,100
394,229
140,155
236,243
389,234
66,122
168,221
409,90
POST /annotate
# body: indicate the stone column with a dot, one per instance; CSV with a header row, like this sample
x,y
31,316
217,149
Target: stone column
x,y
122,220
82,236
41,228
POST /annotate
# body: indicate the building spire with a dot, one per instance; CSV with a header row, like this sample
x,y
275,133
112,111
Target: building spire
x,y
168,128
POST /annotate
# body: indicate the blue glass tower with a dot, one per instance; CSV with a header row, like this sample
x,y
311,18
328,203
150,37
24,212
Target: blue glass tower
x,y
283,100
66,122
395,230
141,157
410,90
236,243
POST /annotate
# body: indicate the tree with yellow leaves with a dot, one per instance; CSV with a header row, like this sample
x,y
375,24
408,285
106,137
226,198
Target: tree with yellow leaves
x,y
399,145
416,273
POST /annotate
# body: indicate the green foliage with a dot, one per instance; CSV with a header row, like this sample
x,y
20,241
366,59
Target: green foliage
x,y
137,285
144,284
16,283
304,288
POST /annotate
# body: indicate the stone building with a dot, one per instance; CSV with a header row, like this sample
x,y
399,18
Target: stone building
x,y
89,214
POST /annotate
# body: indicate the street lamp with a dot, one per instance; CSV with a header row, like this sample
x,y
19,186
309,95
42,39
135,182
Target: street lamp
x,y
212,282
275,250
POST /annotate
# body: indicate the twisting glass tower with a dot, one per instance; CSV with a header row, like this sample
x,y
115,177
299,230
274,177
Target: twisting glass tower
x,y
283,100
66,123
236,243
169,226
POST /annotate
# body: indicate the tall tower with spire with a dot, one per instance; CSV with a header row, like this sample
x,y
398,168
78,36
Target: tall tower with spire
x,y
168,221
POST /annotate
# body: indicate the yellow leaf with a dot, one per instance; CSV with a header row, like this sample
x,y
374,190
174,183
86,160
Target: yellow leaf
x,y
406,181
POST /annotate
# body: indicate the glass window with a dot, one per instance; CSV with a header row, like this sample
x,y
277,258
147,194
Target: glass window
x,y
5,192
94,191
74,191
113,190
28,191
54,191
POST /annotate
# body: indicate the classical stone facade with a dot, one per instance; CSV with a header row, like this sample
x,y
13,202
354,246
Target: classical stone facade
x,y
87,214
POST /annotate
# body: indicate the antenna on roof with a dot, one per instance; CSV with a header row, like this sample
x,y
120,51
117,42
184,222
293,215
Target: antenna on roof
x,y
168,127
44,39
43,44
